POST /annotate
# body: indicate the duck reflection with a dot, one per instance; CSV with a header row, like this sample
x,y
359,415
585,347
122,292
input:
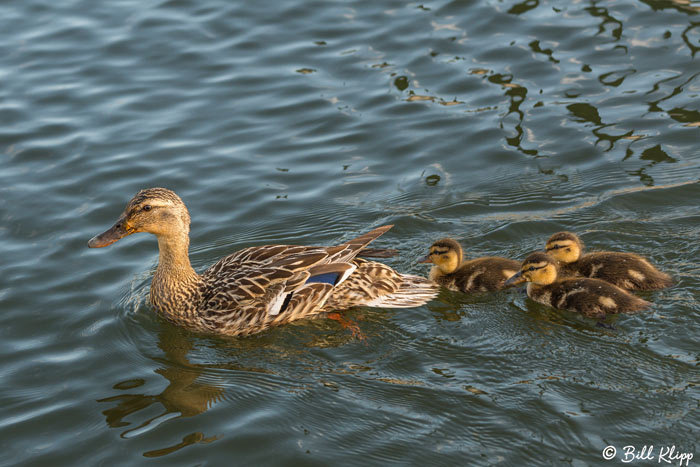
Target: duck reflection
x,y
190,391
185,395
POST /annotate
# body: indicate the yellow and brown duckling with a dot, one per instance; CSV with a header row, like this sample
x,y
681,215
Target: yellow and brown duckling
x,y
593,298
261,286
450,270
626,270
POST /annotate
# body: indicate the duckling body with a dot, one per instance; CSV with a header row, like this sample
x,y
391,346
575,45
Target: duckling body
x,y
478,275
626,270
593,298
257,287
484,274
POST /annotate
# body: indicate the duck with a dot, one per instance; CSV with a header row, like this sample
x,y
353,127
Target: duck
x,y
626,270
450,270
593,298
257,287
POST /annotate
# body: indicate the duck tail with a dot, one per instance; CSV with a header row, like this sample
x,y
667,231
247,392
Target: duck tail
x,y
378,253
350,249
363,240
378,285
661,280
412,292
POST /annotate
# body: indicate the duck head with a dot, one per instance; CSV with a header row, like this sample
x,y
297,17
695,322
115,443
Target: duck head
x,y
564,247
154,210
538,268
446,255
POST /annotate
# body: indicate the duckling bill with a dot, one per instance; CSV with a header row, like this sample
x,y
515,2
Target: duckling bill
x,y
262,286
450,270
626,270
593,298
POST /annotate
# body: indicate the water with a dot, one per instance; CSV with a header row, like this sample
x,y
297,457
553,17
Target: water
x,y
494,122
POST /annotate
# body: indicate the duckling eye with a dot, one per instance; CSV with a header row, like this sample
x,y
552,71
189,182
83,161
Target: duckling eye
x,y
146,207
531,268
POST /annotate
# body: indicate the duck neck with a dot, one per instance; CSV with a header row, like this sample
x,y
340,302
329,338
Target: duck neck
x,y
174,260
439,271
435,274
175,284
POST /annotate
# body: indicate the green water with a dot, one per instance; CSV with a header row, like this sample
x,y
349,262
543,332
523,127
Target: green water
x,y
494,122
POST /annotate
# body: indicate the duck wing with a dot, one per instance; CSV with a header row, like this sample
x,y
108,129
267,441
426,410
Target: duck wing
x,y
257,287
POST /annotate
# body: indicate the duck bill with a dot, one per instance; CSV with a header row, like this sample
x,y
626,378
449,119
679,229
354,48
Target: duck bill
x,y
425,259
515,279
119,230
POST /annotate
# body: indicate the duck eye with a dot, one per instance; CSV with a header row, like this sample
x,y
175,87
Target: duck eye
x,y
146,207
531,268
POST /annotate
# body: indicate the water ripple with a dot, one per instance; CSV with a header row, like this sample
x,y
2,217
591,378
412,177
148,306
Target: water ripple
x,y
497,123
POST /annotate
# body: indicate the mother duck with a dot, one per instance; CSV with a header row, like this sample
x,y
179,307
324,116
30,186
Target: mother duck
x,y
261,286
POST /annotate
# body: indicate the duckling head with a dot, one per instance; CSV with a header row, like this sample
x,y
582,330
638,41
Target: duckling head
x,y
154,210
446,255
564,247
538,268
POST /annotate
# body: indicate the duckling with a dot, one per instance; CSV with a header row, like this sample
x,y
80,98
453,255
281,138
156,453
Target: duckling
x,y
477,275
625,270
593,298
260,286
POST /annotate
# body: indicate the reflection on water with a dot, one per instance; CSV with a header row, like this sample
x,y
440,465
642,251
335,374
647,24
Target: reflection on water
x,y
192,387
684,6
494,122
588,113
183,397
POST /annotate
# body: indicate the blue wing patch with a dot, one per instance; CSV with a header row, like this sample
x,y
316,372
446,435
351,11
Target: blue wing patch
x,y
327,278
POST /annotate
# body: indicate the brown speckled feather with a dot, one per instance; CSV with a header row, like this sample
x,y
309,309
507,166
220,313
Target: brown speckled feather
x,y
241,290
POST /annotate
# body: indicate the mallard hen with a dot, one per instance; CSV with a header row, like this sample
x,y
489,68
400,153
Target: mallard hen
x,y
261,286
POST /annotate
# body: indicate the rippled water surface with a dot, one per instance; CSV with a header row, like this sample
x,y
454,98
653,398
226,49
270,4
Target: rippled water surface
x,y
496,122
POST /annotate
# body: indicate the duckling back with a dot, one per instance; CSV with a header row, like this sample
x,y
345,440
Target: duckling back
x,y
626,270
485,274
593,298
